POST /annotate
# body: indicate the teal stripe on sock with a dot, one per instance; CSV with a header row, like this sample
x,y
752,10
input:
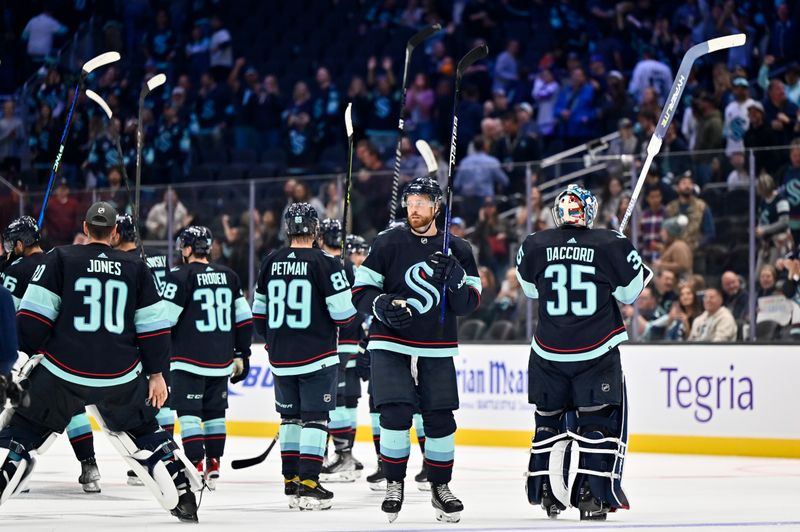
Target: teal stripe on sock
x,y
441,449
290,437
353,414
395,443
312,441
190,426
165,416
214,426
339,418
418,426
375,417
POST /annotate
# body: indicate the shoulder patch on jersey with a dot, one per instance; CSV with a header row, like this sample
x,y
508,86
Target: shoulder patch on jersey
x,y
572,241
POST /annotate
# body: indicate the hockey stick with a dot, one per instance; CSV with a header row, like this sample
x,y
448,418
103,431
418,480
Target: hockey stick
x,y
348,124
427,155
88,67
476,54
249,462
415,39
153,83
653,147
104,106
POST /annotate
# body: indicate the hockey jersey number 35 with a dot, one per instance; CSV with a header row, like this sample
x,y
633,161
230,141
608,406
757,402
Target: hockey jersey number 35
x,y
576,274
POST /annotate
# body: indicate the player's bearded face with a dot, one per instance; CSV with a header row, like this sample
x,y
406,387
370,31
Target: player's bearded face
x,y
421,211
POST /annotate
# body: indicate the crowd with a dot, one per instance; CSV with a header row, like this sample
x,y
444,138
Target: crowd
x,y
559,74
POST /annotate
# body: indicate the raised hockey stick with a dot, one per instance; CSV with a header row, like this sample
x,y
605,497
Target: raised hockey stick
x,y
348,124
88,67
653,147
476,54
427,155
153,83
415,39
107,110
249,462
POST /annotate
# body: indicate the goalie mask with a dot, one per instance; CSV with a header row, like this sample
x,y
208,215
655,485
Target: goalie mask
x,y
575,206
331,230
23,229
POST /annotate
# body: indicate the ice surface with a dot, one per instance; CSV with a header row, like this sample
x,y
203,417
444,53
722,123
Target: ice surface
x,y
667,492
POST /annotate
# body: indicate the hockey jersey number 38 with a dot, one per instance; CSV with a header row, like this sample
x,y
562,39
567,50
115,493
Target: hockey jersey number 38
x,y
576,274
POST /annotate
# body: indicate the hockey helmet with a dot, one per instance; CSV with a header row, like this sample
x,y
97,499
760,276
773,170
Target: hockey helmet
x,y
125,228
301,220
355,244
423,186
331,230
575,206
25,229
198,238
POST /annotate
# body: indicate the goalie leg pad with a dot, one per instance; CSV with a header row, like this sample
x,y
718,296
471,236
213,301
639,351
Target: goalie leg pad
x,y
16,466
546,483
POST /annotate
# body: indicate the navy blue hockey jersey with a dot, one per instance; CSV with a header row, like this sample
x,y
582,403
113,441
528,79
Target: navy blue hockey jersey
x,y
18,274
95,314
350,337
577,274
210,318
397,264
302,298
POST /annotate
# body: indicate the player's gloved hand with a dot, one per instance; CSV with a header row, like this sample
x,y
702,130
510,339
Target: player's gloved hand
x,y
241,367
362,365
392,311
447,271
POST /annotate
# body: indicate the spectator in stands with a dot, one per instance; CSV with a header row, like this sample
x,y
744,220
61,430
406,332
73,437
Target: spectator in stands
x,y
491,236
709,137
326,114
653,179
102,156
791,286
159,44
648,311
723,86
700,227
221,49
676,255
760,135
575,110
615,102
157,222
716,323
767,281
675,159
625,144
506,70
12,139
682,314
545,95
172,146
789,179
738,177
650,241
736,117
648,102
373,189
779,112
541,217
62,216
649,72
116,194
514,147
734,296
39,32
43,140
479,175
622,207
485,310
609,201
665,283
211,106
783,38
197,53
506,305
385,100
411,161
419,108
772,230
245,99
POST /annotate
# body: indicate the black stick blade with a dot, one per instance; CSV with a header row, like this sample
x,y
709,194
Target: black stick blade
x,y
422,34
249,462
476,54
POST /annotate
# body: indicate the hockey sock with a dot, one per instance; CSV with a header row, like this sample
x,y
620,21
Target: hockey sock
x,y
395,448
352,412
312,448
439,454
166,419
80,436
340,428
419,427
192,438
290,447
214,430
376,431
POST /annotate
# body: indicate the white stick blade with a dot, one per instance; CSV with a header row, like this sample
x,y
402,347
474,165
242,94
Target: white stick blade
x,y
348,120
156,81
100,60
728,41
427,155
99,101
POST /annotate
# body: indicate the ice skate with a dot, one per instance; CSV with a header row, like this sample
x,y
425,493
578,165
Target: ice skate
x,y
448,507
591,508
550,504
377,480
212,473
312,496
421,478
90,476
133,480
290,489
186,511
359,465
393,502
341,469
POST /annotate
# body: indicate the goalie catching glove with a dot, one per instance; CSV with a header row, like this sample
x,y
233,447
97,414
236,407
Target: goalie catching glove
x,y
447,271
392,311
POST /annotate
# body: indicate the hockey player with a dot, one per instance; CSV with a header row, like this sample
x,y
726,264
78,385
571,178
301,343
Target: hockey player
x,y
125,240
95,316
21,239
302,297
342,429
575,377
212,327
401,283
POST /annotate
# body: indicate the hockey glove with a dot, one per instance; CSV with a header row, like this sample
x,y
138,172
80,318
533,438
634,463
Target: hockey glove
x,y
447,271
392,311
241,367
362,365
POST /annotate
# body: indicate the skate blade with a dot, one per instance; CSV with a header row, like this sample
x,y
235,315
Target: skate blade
x,y
211,483
443,517
377,486
294,504
91,487
340,477
313,504
424,486
134,481
391,517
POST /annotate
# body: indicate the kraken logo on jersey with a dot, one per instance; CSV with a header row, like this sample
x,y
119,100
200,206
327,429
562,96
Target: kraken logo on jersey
x,y
417,280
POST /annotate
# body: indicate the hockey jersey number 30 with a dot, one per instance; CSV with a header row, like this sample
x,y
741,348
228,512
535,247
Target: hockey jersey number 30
x,y
576,274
